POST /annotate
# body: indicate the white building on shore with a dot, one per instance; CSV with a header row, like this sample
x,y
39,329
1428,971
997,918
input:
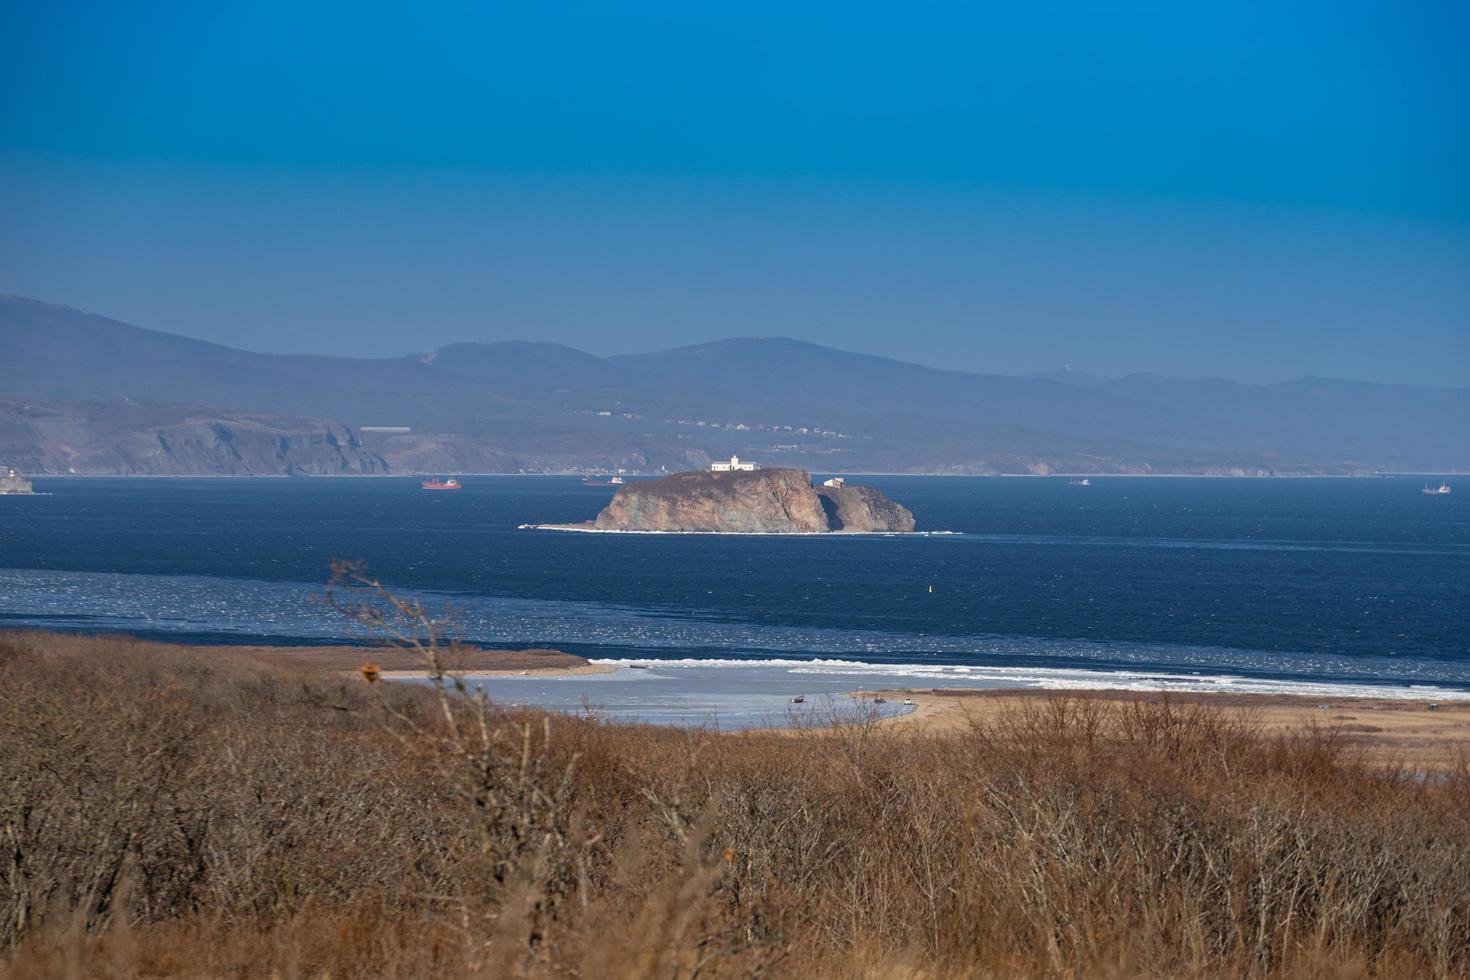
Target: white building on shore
x,y
732,466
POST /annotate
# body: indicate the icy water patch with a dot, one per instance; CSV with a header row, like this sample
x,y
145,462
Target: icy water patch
x,y
692,695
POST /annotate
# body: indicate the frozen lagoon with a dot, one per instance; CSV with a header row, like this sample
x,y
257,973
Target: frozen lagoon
x,y
741,694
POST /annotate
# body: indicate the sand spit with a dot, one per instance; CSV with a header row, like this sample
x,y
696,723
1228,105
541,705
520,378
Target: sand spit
x,y
478,674
393,662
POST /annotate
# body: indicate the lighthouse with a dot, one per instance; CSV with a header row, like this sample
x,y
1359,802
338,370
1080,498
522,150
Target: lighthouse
x,y
733,466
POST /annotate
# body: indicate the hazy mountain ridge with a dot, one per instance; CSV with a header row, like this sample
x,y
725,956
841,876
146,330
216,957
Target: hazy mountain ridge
x,y
540,407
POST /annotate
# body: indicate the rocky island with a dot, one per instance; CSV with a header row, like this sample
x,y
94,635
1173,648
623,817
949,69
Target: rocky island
x,y
773,501
13,482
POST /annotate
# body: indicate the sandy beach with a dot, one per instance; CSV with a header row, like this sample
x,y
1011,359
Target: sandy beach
x,y
1385,730
396,663
481,673
1416,733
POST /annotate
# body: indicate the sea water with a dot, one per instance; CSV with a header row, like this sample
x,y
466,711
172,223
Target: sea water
x,y
1309,585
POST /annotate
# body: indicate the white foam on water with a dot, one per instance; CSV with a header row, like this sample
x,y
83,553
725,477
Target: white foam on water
x,y
1061,679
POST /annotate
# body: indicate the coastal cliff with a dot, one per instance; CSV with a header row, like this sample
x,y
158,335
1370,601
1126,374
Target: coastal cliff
x,y
128,439
863,509
775,501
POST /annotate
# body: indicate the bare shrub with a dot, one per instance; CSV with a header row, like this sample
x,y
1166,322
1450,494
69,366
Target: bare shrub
x,y
168,814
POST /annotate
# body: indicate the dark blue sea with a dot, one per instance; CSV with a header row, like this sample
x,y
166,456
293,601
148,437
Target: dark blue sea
x,y
1196,583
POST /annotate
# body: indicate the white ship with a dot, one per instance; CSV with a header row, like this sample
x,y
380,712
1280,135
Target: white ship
x,y
1443,488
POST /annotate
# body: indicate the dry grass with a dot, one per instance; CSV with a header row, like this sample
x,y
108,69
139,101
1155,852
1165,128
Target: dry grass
x,y
169,813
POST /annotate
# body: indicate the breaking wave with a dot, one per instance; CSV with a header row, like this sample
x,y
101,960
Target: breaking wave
x,y
1041,678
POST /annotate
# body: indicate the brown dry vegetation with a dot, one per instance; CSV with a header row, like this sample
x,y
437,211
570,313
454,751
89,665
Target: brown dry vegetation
x,y
165,812
1415,733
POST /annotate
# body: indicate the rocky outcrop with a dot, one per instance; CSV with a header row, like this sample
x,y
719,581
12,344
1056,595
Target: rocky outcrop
x,y
759,502
863,509
125,439
13,482
776,501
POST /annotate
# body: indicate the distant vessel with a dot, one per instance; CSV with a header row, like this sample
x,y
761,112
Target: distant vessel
x,y
1084,482
616,481
449,484
1436,491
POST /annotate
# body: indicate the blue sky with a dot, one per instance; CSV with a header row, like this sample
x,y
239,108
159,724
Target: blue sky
x,y
1260,191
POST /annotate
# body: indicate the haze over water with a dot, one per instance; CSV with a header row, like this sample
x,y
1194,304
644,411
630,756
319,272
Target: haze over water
x,y
1273,584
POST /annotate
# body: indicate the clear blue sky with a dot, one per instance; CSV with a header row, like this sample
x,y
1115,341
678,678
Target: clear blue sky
x,y
1256,190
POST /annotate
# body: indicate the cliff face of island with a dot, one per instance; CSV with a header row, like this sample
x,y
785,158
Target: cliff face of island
x,y
863,509
775,501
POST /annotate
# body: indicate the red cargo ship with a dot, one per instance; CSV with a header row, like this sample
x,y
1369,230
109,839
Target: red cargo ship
x,y
450,484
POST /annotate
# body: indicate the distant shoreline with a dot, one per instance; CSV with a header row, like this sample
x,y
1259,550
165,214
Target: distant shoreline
x,y
1427,732
1385,474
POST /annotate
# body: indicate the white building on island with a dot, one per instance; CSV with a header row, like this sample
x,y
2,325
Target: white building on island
x,y
732,466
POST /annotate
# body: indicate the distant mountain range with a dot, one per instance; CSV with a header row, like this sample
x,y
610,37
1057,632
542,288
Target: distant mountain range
x,y
83,393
